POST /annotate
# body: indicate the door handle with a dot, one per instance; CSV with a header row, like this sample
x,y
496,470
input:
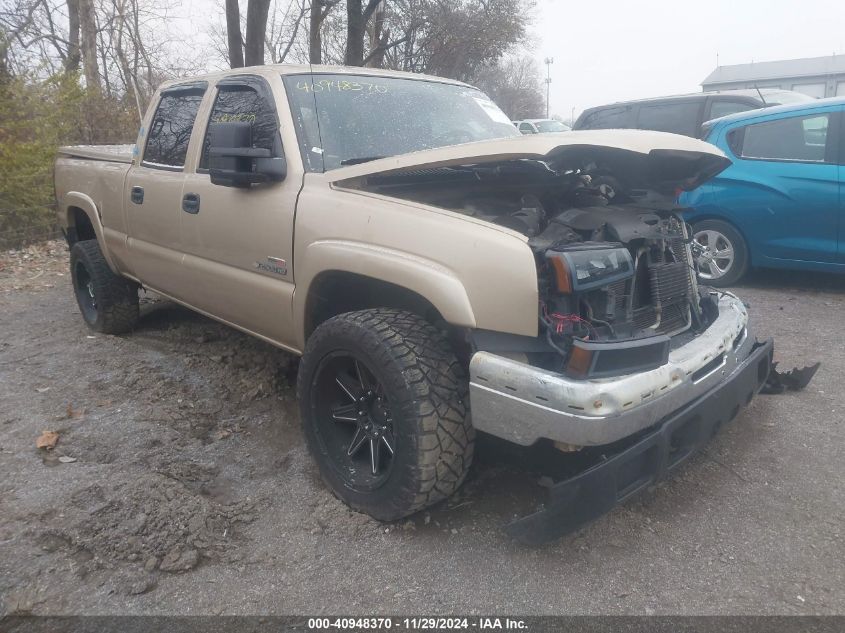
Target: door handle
x,y
191,203
137,195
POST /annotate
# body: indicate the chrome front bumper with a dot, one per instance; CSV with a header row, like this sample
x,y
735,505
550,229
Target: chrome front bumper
x,y
522,404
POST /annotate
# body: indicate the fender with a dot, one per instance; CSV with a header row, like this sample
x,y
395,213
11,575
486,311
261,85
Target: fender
x,y
82,201
431,280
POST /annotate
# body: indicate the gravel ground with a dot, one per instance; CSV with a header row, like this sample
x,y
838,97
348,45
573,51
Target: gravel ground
x,y
180,484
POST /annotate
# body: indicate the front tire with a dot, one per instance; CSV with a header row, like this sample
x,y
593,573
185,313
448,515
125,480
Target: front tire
x,y
384,409
108,302
724,260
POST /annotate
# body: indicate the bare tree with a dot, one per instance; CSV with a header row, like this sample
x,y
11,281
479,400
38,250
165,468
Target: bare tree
x,y
283,29
88,45
357,16
514,83
73,54
233,32
256,30
319,12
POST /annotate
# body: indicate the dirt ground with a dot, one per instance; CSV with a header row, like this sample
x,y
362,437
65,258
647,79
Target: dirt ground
x,y
180,484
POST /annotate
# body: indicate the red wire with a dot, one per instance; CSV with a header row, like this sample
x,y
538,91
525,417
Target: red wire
x,y
561,320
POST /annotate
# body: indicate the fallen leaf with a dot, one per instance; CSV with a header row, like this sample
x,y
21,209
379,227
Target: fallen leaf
x,y
66,459
72,413
47,440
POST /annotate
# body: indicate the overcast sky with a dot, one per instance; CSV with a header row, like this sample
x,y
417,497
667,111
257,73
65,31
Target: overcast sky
x,y
618,49
612,50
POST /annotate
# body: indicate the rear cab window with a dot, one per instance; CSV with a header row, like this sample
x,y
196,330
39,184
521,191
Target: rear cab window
x,y
170,132
797,139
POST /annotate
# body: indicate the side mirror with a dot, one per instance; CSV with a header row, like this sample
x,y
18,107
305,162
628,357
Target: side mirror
x,y
234,162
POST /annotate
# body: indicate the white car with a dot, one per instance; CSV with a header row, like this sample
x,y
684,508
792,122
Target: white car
x,y
539,126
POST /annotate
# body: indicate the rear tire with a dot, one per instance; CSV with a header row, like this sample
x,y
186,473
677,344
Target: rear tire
x,y
385,380
726,259
108,302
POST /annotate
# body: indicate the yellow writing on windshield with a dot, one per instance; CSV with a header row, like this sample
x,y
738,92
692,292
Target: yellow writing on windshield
x,y
341,85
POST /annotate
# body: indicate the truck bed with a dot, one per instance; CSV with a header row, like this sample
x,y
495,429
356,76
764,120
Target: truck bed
x,y
111,153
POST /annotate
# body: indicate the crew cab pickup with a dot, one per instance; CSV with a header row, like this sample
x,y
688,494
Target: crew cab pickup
x,y
438,273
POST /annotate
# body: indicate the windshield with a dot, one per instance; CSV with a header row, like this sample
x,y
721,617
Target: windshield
x,y
551,126
348,119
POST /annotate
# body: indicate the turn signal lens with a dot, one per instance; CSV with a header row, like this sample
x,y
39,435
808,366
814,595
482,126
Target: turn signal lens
x,y
580,361
562,276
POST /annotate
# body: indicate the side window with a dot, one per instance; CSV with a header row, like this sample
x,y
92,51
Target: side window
x,y
721,107
170,130
243,103
526,128
795,138
608,118
677,117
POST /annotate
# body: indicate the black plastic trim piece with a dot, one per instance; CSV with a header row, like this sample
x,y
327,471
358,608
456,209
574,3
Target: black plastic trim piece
x,y
618,358
192,86
579,500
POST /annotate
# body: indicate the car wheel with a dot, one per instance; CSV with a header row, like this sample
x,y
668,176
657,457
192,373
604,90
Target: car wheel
x,y
383,402
108,302
722,254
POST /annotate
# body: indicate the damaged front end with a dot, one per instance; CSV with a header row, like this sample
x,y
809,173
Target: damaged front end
x,y
633,359
616,278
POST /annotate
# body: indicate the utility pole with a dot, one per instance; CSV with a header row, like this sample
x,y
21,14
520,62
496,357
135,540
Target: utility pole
x,y
549,62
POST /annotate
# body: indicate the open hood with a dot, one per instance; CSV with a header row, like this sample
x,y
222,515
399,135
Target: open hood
x,y
643,159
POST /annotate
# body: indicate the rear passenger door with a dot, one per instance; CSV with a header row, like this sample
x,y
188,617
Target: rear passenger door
x,y
783,189
153,188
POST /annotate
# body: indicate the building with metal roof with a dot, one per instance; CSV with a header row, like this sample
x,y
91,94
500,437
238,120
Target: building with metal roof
x,y
814,76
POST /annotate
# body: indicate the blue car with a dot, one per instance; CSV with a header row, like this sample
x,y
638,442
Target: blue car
x,y
781,204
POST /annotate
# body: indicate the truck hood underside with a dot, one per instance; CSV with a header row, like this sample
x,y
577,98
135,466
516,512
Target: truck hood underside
x,y
657,161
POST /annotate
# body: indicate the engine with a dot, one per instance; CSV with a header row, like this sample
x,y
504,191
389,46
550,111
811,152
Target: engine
x,y
616,276
614,273
617,282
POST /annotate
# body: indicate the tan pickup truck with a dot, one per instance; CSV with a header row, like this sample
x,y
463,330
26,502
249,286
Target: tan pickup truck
x,y
439,273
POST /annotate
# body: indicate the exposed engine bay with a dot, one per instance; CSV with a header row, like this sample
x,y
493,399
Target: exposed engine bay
x,y
615,270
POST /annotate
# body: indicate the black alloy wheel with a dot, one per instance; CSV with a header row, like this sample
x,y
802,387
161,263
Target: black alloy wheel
x,y
354,422
384,407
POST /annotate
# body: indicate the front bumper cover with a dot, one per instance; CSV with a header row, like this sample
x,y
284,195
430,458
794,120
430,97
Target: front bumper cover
x,y
590,494
522,404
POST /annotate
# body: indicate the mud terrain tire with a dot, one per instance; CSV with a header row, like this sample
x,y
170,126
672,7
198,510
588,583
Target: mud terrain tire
x,y
426,390
108,302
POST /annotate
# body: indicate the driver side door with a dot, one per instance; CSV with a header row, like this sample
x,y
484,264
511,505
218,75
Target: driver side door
x,y
238,241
